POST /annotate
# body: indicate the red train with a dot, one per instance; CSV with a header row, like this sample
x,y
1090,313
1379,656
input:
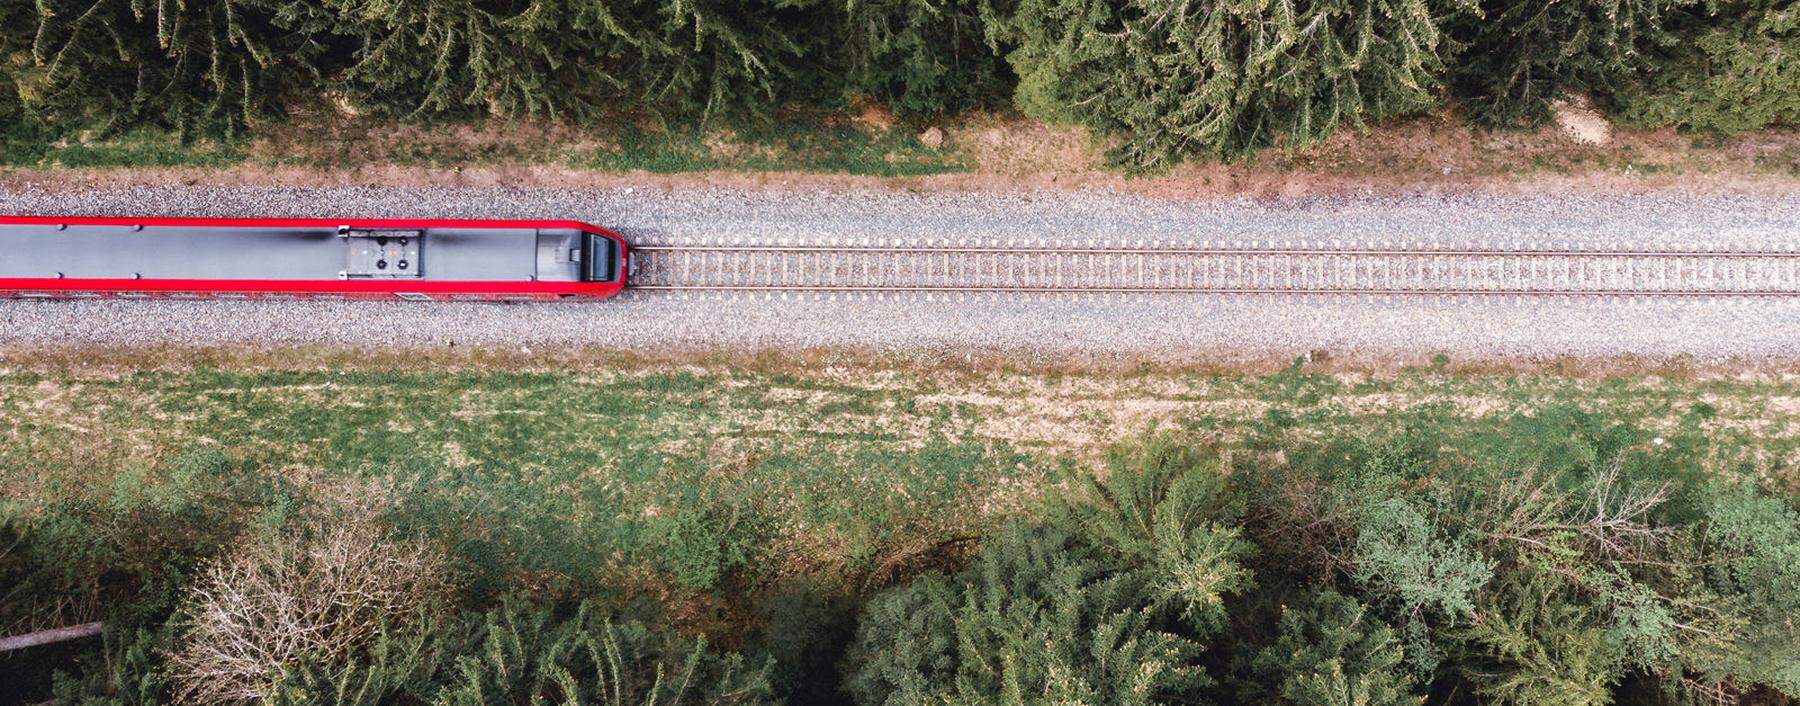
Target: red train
x,y
309,258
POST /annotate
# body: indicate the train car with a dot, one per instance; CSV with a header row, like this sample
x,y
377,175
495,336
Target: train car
x,y
309,258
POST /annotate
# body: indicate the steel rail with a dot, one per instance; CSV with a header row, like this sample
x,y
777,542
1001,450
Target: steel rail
x,y
1007,250
1137,269
820,289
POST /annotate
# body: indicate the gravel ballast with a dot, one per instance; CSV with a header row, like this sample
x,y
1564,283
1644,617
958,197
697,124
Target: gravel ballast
x,y
1159,326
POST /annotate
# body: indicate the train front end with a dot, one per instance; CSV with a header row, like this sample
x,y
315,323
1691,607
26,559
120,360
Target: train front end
x,y
408,259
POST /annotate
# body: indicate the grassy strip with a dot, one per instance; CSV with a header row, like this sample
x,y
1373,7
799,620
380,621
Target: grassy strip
x,y
1435,150
821,145
838,470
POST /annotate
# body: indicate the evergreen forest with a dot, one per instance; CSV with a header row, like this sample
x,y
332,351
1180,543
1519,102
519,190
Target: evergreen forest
x,y
1160,81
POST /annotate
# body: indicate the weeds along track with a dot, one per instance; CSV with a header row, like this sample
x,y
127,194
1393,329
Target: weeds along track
x,y
1158,269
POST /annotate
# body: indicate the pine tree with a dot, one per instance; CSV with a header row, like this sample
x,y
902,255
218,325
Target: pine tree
x,y
567,58
1034,621
1106,601
1532,642
1518,56
923,57
1732,65
1172,80
1331,651
192,65
518,653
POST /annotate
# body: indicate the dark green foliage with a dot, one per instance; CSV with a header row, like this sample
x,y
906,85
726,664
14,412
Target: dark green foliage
x,y
1404,554
573,58
1550,565
806,626
1163,508
194,66
16,19
1517,56
1161,81
125,552
1331,651
924,57
1557,555
1733,65
125,671
1106,603
1187,79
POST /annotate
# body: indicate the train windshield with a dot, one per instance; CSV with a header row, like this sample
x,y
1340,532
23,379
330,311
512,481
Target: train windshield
x,y
599,258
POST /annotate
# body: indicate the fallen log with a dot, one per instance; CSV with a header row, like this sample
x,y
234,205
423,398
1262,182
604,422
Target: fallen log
x,y
45,637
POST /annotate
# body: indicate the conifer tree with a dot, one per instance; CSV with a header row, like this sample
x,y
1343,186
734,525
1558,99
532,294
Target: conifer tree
x,y
1187,78
1732,65
1107,601
191,65
1330,651
923,57
1518,56
569,58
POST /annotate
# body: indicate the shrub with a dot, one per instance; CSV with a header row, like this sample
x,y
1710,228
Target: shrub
x,y
127,670
1220,79
1752,560
1402,553
1163,509
321,594
123,552
1734,65
1331,650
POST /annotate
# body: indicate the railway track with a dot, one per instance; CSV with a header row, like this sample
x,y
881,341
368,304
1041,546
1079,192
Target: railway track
x,y
1160,269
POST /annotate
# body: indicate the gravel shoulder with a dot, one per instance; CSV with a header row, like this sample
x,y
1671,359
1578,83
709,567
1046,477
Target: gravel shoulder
x,y
1160,327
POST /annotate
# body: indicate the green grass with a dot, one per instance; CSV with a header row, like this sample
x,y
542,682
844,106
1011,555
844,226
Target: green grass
x,y
786,146
31,144
695,474
816,145
708,473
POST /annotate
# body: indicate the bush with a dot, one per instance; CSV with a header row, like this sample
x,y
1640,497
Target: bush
x,y
1734,65
1557,557
123,553
320,593
1033,621
1173,81
1752,556
591,659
